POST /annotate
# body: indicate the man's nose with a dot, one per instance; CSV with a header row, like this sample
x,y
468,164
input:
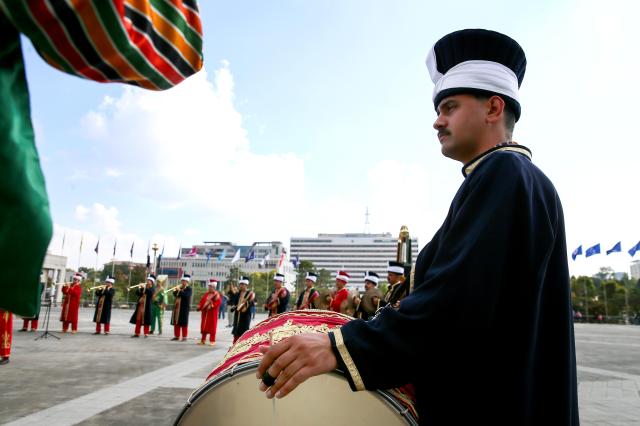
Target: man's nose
x,y
439,123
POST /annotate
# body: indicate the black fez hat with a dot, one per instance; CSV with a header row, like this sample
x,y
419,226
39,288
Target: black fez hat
x,y
477,61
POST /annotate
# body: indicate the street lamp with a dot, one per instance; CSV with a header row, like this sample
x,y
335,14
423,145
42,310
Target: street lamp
x,y
155,249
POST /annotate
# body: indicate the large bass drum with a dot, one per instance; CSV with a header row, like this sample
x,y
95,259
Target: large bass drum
x,y
230,396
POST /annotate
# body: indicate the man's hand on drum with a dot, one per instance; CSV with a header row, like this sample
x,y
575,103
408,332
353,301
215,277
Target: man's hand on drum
x,y
294,360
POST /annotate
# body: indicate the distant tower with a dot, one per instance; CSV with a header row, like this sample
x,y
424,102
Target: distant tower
x,y
366,222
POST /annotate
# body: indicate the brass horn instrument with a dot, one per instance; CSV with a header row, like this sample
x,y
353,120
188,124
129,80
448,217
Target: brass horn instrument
x,y
136,286
172,289
98,287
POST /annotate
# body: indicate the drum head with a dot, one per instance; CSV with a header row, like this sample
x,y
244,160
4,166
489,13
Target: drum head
x,y
233,398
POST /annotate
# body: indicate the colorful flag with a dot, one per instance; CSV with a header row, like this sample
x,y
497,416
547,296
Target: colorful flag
x,y
250,256
295,261
634,249
576,252
264,260
222,254
191,253
208,255
105,46
160,257
615,249
592,250
236,257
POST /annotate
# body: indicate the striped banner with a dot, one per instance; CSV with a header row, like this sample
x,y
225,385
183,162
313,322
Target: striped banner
x,y
153,44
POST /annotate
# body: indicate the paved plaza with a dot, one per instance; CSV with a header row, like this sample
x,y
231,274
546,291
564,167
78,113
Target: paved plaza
x,y
116,380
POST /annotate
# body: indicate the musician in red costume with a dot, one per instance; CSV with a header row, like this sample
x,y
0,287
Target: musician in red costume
x,y
339,301
278,301
6,335
71,304
208,307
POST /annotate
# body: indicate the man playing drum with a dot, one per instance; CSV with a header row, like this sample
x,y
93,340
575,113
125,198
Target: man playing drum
x,y
461,337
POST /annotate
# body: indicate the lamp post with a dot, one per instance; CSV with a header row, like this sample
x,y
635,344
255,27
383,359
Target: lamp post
x,y
155,250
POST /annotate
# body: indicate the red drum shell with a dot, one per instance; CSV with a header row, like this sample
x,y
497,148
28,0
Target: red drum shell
x,y
285,325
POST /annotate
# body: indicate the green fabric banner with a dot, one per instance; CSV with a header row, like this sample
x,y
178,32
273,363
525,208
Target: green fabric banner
x,y
25,222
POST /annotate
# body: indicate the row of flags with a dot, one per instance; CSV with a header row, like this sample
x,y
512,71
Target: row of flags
x,y
115,246
97,247
193,252
595,249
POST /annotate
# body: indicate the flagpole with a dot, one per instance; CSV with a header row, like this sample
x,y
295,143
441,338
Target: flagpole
x,y
113,259
95,270
80,251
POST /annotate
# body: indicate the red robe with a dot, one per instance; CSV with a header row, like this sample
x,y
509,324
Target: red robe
x,y
70,303
208,306
6,333
339,298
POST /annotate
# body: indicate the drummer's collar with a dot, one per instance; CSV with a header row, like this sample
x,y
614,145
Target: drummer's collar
x,y
505,146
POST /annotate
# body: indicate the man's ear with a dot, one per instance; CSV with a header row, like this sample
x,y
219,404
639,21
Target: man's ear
x,y
495,109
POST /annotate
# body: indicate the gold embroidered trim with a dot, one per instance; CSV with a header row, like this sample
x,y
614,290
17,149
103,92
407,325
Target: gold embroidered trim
x,y
471,167
279,333
348,361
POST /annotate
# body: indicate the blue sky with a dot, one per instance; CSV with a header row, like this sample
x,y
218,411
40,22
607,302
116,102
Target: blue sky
x,y
307,113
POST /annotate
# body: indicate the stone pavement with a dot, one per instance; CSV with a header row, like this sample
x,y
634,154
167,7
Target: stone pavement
x,y
608,374
114,380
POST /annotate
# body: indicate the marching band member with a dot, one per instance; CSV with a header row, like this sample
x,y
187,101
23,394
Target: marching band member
x,y
181,305
6,335
370,301
491,306
32,320
307,299
233,290
278,301
71,304
159,302
241,303
142,315
339,300
102,314
208,307
397,289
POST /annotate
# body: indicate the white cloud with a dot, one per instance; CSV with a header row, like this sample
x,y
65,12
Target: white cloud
x,y
578,119
94,124
81,212
100,218
195,148
111,172
78,174
191,232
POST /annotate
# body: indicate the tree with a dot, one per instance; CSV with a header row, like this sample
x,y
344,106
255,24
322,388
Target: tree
x,y
583,293
262,284
324,279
